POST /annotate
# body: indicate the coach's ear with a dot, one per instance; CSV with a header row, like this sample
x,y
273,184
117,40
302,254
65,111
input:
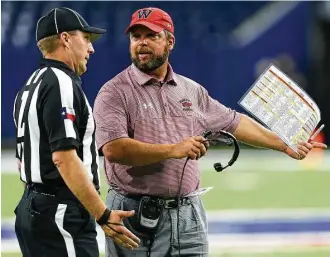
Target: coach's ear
x,y
171,41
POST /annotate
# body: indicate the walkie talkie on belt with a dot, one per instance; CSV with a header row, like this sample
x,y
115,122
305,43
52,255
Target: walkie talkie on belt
x,y
150,212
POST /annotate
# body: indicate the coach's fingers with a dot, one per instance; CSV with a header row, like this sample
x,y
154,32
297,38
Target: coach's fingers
x,y
203,149
301,155
199,148
304,149
206,143
308,145
192,155
198,138
318,145
197,151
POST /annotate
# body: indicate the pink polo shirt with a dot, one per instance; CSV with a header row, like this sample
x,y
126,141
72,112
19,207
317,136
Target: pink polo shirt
x,y
135,105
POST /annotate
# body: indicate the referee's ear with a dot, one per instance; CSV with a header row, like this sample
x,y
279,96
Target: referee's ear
x,y
65,38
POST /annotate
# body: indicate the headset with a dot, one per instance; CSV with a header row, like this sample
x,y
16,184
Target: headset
x,y
214,138
222,137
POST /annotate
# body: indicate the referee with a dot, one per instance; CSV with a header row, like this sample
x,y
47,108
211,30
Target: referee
x,y
56,152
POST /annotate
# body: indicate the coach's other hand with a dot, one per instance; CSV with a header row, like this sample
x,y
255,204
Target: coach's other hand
x,y
193,147
303,149
119,233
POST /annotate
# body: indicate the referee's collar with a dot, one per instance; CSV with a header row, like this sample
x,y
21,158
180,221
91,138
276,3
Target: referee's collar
x,y
58,64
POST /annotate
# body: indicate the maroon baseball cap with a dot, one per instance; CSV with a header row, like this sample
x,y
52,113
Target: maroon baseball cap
x,y
153,18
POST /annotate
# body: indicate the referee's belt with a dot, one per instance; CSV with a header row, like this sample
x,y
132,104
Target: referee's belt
x,y
170,202
60,190
49,190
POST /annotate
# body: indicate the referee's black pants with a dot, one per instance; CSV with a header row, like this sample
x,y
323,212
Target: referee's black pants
x,y
52,223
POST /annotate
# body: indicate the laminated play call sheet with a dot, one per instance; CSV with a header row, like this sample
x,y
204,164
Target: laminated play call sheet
x,y
280,104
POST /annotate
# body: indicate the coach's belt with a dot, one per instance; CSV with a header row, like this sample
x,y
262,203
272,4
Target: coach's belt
x,y
173,203
170,202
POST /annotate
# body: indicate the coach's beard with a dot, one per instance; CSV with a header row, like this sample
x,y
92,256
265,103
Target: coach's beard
x,y
154,63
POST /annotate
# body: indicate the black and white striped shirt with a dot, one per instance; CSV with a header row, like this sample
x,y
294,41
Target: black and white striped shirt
x,y
51,113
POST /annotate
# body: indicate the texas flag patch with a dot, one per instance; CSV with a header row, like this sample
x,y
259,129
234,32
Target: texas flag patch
x,y
68,113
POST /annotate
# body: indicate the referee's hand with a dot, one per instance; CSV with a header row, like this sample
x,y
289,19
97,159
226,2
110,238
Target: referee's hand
x,y
119,233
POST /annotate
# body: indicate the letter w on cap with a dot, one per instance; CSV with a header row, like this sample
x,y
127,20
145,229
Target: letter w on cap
x,y
143,14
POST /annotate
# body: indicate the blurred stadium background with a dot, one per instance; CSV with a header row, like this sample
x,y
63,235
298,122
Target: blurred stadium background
x,y
266,204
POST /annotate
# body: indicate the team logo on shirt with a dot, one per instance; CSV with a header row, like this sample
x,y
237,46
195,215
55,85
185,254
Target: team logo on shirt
x,y
186,104
68,113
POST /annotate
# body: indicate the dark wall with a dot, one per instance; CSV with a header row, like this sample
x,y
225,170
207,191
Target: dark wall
x,y
205,49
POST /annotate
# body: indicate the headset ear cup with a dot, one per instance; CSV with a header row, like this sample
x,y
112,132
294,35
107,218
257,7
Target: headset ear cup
x,y
218,166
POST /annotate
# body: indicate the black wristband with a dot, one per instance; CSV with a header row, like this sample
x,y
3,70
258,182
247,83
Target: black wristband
x,y
104,218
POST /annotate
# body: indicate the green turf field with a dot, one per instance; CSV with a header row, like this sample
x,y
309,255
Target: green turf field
x,y
232,190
